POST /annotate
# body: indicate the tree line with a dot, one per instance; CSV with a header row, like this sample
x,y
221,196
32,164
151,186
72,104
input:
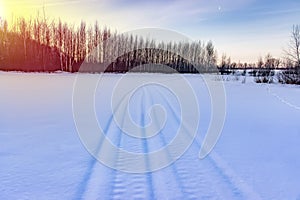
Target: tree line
x,y
290,58
46,46
264,68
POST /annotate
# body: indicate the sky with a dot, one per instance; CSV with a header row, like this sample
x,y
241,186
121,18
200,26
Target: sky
x,y
244,30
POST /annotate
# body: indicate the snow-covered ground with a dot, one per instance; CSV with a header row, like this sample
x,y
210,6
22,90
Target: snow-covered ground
x,y
42,157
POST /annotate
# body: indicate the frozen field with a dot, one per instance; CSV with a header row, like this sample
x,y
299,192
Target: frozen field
x,y
42,157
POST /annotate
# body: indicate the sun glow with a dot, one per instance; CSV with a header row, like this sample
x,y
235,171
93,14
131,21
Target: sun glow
x,y
12,9
2,14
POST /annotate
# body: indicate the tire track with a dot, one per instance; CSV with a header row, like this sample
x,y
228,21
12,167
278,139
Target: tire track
x,y
121,180
135,186
148,175
172,168
214,179
117,186
238,188
88,187
83,186
188,183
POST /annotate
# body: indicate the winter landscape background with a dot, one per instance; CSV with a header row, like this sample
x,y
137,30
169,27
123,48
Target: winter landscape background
x,y
256,157
149,99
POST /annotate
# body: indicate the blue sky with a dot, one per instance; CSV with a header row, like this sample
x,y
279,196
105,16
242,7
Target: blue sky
x,y
244,29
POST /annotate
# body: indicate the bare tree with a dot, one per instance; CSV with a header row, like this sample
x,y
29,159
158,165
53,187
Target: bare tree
x,y
260,62
293,51
269,61
223,61
23,32
211,56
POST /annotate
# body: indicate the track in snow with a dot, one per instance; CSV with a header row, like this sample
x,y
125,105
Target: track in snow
x,y
41,155
187,178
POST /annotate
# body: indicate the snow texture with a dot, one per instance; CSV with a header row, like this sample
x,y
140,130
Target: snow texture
x,y
42,157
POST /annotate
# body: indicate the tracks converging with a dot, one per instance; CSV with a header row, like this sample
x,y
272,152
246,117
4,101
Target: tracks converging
x,y
187,178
